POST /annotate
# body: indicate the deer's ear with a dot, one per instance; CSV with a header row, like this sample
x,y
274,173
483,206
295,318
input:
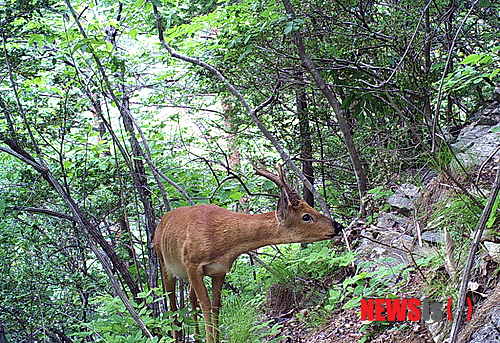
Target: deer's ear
x,y
284,206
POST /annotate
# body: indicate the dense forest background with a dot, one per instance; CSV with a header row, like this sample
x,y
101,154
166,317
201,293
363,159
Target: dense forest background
x,y
114,112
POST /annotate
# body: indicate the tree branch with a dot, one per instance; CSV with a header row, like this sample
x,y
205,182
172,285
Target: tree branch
x,y
464,284
252,112
42,211
336,107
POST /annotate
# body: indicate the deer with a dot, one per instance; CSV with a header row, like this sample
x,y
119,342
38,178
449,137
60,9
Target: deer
x,y
204,240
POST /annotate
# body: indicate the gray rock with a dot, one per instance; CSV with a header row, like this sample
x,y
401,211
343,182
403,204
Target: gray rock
x,y
432,236
392,220
469,134
496,94
427,175
386,248
423,175
487,334
490,332
476,143
438,330
404,198
487,121
492,111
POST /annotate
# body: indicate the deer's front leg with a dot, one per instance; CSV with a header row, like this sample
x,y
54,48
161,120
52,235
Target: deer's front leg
x,y
195,274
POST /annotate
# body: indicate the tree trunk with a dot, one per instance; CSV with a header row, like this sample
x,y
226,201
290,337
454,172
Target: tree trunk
x,y
305,140
3,337
342,121
142,187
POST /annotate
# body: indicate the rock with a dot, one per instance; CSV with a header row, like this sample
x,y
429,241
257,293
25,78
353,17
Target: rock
x,y
432,236
469,134
427,175
438,330
392,220
493,250
490,332
423,175
484,325
493,112
486,121
404,198
496,94
477,142
386,248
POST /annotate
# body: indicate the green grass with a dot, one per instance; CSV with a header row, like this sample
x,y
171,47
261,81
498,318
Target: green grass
x,y
241,321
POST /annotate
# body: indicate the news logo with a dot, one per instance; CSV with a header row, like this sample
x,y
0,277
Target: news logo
x,y
407,309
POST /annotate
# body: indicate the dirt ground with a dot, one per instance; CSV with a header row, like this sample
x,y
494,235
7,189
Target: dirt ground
x,y
345,326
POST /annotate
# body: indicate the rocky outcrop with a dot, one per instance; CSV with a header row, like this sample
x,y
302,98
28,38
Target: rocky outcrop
x,y
478,141
393,239
484,326
404,198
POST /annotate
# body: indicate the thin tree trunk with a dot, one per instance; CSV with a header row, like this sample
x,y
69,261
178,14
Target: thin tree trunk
x,y
305,141
427,56
3,337
142,187
336,107
474,245
305,138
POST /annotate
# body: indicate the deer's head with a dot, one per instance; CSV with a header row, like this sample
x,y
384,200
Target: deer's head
x,y
301,222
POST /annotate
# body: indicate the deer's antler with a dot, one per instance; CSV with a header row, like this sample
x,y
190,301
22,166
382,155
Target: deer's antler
x,y
279,180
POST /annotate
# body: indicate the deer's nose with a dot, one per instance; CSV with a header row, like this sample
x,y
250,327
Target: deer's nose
x,y
338,227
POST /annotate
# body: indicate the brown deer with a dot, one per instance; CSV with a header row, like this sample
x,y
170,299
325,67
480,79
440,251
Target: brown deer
x,y
204,240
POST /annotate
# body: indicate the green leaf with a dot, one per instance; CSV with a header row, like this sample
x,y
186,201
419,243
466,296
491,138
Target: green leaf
x,y
37,81
2,207
471,59
139,3
35,38
494,73
354,302
375,190
289,27
245,53
236,196
133,33
487,59
493,214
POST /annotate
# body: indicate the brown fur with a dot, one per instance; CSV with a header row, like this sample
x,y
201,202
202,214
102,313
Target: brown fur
x,y
204,240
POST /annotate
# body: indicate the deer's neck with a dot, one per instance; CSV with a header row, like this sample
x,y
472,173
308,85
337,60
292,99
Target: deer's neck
x,y
257,230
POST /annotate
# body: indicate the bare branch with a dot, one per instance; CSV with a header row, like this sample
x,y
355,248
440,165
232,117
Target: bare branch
x,y
251,112
464,284
42,211
336,107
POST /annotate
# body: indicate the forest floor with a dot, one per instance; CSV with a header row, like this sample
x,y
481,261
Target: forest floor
x,y
344,327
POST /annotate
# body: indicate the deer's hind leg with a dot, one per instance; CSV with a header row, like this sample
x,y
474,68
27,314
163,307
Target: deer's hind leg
x,y
217,283
168,280
195,274
194,306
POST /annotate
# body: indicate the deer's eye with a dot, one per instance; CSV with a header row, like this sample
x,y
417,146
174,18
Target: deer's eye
x,y
306,217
